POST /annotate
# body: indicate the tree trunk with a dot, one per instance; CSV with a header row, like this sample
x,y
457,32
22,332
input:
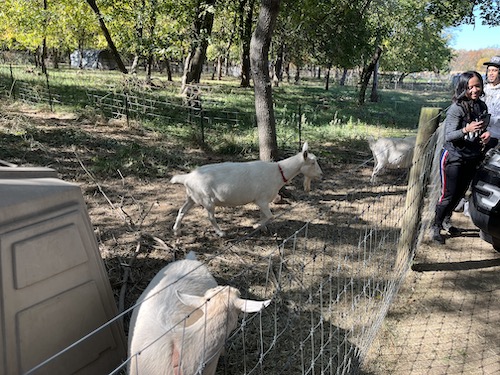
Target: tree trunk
x,y
149,68
367,73
224,60
374,93
44,43
227,63
202,29
219,68
107,35
278,67
169,71
287,72
259,56
135,62
37,57
43,58
80,56
296,78
152,27
139,32
246,22
327,76
56,56
344,77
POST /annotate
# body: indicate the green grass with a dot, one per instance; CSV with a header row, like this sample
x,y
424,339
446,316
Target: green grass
x,y
306,111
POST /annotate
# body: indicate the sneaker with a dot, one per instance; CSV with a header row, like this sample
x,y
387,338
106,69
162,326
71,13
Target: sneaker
x,y
466,209
453,231
460,206
436,235
447,226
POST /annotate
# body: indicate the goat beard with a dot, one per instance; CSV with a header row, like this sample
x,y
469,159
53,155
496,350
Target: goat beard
x,y
307,184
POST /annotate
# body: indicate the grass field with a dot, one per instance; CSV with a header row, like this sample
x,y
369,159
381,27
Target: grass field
x,y
322,115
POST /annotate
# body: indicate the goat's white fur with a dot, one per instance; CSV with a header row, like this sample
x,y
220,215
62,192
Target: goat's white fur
x,y
182,320
235,184
391,153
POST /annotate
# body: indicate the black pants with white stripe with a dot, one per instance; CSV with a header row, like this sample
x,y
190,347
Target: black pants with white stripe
x,y
456,176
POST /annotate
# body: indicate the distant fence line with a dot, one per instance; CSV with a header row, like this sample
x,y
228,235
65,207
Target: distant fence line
x,y
209,120
36,94
416,86
131,104
200,111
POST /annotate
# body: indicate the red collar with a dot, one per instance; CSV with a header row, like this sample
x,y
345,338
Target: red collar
x,y
282,174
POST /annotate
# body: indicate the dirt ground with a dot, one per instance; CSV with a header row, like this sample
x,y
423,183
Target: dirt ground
x,y
446,316
444,320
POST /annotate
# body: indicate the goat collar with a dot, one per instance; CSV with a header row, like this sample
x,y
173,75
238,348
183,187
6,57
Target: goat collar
x,y
282,174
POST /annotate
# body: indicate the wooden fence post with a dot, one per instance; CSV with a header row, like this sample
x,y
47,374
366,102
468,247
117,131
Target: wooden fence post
x,y
427,125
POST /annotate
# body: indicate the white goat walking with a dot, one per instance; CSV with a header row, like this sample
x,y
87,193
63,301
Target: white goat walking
x,y
391,153
182,321
236,184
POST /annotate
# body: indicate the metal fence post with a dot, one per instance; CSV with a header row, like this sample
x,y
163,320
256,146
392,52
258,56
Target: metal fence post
x,y
12,87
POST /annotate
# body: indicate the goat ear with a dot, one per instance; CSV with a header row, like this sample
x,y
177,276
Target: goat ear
x,y
305,147
194,302
190,300
250,306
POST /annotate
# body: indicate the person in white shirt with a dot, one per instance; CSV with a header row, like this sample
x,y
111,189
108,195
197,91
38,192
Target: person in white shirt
x,y
492,95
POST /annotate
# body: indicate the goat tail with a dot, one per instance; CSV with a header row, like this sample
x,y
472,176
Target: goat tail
x,y
178,179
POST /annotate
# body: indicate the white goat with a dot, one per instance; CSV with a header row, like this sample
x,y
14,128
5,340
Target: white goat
x,y
182,320
391,153
236,184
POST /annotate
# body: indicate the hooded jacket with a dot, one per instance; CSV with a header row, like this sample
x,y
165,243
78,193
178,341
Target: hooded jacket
x,y
492,100
462,146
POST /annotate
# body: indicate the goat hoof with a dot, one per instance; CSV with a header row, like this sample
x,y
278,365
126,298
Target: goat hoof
x,y
262,227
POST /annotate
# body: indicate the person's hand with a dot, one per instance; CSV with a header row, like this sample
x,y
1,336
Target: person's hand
x,y
474,126
485,137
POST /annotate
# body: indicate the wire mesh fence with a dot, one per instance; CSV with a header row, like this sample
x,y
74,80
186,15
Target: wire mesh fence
x,y
331,283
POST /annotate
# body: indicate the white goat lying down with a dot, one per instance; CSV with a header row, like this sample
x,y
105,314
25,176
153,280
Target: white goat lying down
x,y
183,321
236,184
391,153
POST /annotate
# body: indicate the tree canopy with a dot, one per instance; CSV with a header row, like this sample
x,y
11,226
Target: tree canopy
x,y
326,33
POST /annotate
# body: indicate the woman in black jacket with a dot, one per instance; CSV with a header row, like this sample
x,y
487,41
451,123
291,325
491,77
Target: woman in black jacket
x,y
465,144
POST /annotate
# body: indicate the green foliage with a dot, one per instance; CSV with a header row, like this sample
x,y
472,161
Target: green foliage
x,y
416,43
341,33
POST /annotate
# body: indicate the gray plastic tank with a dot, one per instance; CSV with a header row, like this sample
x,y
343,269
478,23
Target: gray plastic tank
x,y
53,283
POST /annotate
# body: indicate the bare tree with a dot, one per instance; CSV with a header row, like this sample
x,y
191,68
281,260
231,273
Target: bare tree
x,y
259,51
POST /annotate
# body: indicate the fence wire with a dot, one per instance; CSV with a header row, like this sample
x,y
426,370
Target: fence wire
x,y
331,285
